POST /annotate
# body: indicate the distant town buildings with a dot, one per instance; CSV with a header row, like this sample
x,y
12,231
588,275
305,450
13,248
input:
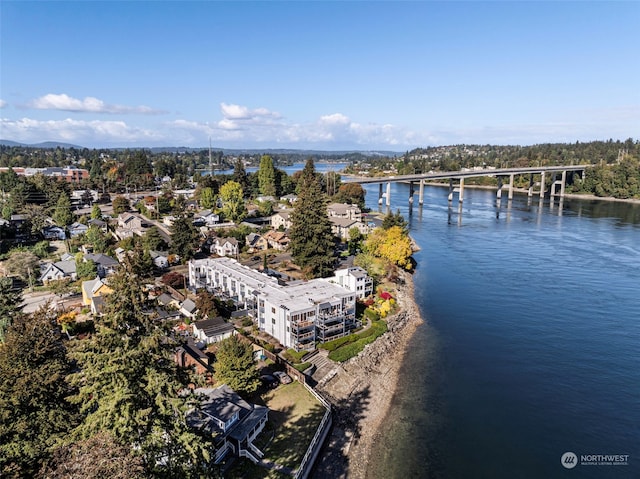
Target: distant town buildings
x,y
70,174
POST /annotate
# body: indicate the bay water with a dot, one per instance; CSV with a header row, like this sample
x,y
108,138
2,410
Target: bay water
x,y
531,343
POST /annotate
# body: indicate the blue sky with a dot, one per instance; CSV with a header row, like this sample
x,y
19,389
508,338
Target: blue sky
x,y
321,75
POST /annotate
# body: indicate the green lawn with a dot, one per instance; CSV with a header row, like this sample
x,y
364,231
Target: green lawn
x,y
294,416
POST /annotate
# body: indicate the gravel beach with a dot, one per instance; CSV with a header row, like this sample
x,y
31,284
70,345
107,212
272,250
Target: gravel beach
x,y
361,391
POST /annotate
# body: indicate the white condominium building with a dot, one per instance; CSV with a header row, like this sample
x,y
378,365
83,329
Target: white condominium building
x,y
298,314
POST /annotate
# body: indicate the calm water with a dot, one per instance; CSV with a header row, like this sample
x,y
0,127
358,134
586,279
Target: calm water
x,y
531,346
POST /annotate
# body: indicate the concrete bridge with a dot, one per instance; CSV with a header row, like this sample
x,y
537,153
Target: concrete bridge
x,y
557,185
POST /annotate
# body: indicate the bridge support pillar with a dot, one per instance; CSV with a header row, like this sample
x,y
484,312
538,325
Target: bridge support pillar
x,y
411,192
542,184
530,193
499,192
563,184
421,193
380,194
450,190
461,193
389,193
511,187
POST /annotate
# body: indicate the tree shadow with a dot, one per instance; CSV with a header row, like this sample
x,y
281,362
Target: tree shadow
x,y
348,415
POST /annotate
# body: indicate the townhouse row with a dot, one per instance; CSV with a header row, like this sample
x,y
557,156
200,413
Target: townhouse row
x,y
298,314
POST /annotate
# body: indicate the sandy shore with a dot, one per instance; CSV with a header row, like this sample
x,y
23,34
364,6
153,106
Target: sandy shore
x,y
361,391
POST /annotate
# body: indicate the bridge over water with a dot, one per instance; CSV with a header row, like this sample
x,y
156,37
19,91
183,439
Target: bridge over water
x,y
557,184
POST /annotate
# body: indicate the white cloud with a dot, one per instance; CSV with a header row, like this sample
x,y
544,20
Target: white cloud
x,y
334,119
84,133
3,103
239,112
89,104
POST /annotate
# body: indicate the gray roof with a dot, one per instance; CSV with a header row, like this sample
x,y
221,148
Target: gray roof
x,y
67,267
214,327
223,403
101,259
188,305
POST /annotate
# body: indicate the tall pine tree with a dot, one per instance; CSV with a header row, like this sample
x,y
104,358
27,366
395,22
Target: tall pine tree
x,y
34,415
129,386
312,242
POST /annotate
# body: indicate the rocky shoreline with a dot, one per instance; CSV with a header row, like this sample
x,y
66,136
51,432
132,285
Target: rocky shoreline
x,y
361,391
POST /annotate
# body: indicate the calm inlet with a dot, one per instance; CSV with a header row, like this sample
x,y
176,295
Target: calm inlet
x,y
531,346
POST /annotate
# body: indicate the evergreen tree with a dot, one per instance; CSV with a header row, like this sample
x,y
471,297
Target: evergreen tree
x,y
207,198
183,237
267,176
34,414
99,456
312,242
10,305
96,212
240,175
235,366
129,386
62,215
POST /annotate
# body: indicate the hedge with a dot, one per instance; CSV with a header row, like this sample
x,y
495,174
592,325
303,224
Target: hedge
x,y
357,342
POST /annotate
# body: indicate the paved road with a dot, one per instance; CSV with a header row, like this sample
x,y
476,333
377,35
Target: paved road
x,y
33,301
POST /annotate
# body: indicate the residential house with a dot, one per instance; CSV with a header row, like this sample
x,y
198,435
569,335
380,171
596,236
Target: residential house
x,y
160,259
53,233
232,421
206,218
188,308
342,210
58,270
93,289
278,240
167,301
225,247
77,229
190,356
212,330
354,279
256,242
130,224
105,265
96,223
290,198
281,219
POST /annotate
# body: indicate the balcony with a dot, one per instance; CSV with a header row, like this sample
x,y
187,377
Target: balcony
x,y
308,335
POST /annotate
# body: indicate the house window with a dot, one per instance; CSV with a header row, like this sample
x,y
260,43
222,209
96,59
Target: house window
x,y
273,320
273,310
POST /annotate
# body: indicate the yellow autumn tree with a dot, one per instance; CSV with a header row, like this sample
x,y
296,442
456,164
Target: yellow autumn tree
x,y
392,244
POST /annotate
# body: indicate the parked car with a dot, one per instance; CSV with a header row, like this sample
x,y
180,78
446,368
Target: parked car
x,y
269,381
283,377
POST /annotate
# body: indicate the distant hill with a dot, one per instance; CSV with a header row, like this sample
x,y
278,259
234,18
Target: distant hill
x,y
226,151
44,144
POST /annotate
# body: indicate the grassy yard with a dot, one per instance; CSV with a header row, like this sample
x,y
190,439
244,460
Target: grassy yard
x,y
294,416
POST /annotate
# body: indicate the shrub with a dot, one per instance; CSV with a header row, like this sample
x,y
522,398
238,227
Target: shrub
x,y
246,322
294,356
301,366
371,314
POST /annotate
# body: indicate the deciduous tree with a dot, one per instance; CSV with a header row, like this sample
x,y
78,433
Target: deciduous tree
x,y
233,201
235,367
